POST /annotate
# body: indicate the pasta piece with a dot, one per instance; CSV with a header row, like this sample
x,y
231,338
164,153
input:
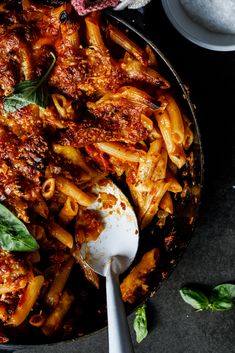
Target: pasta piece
x,y
61,234
68,211
152,60
161,166
119,151
75,156
164,125
37,320
150,204
40,207
70,189
63,106
94,37
69,32
137,72
126,43
166,203
55,319
177,125
174,185
41,42
48,188
147,123
38,232
175,151
26,4
148,164
135,282
27,301
90,275
57,286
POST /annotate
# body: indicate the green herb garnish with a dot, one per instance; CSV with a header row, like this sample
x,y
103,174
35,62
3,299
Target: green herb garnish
x,y
14,236
197,299
221,298
140,323
30,92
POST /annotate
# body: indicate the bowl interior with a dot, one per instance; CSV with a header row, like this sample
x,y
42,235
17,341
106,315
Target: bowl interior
x,y
194,31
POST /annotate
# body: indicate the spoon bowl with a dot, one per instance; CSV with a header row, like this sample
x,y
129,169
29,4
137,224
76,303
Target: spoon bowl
x,y
120,238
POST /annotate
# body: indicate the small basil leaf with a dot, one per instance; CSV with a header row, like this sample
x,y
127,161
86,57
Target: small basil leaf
x,y
225,291
197,299
140,323
29,92
14,236
221,305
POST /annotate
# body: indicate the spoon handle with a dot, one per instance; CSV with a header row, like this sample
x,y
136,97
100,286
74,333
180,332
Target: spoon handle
x,y
118,330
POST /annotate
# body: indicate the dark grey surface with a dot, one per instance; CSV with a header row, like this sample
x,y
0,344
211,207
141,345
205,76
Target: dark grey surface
x,y
210,258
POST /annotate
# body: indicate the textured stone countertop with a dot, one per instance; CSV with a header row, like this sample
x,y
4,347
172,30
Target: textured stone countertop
x,y
175,327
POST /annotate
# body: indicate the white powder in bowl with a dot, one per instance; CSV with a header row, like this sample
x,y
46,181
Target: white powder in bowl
x,y
215,15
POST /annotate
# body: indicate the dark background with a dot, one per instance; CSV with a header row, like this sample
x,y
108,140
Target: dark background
x,y
174,327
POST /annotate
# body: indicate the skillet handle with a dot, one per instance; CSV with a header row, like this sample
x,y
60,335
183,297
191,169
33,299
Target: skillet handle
x,y
118,330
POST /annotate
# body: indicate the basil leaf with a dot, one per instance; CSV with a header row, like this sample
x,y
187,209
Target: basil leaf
x,y
197,299
221,305
29,92
222,297
140,323
14,236
226,290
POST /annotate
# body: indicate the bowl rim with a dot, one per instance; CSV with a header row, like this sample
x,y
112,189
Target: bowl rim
x,y
194,31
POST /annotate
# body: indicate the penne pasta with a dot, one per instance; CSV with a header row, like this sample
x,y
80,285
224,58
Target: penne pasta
x,y
54,320
164,125
119,151
177,125
68,211
61,234
166,203
136,281
41,208
152,60
75,156
63,106
48,188
159,171
175,151
38,232
94,37
150,204
70,189
121,39
52,297
90,275
37,320
147,123
27,301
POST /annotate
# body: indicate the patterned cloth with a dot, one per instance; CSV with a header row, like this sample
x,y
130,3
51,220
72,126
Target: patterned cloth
x,y
85,6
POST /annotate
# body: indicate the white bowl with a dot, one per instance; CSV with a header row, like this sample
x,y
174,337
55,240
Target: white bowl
x,y
194,31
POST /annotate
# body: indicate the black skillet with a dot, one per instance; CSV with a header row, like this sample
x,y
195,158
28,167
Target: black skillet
x,y
181,226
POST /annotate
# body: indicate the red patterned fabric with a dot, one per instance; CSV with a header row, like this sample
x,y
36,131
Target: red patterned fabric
x,y
85,6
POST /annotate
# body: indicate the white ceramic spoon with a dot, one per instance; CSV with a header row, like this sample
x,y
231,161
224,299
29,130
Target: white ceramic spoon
x,y
110,255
